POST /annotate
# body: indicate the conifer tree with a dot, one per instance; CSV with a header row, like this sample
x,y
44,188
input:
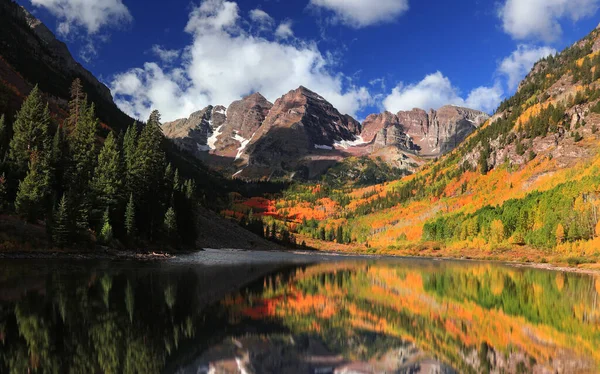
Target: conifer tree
x,y
30,130
107,182
130,217
170,224
106,234
58,164
129,147
147,169
34,190
77,105
60,231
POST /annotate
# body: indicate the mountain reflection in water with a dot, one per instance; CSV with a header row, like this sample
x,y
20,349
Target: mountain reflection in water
x,y
330,317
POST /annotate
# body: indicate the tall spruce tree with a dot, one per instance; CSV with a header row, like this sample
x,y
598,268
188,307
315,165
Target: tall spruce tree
x,y
107,182
129,147
82,161
130,217
61,230
106,234
34,190
30,130
147,174
170,225
77,105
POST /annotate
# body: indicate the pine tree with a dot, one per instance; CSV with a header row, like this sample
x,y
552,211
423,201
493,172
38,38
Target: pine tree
x,y
60,231
106,234
34,190
170,224
130,217
107,182
30,130
57,161
77,105
82,151
146,170
129,147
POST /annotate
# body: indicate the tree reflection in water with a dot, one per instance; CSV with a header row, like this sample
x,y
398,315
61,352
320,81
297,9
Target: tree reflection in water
x,y
369,316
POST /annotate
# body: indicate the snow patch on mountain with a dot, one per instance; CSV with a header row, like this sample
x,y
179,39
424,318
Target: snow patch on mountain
x,y
211,142
350,143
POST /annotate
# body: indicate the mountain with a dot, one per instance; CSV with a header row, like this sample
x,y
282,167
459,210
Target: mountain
x,y
523,185
31,54
302,135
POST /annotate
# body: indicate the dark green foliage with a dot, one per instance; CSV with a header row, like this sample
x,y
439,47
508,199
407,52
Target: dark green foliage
x,y
34,191
61,231
518,216
92,186
130,217
107,183
106,233
147,170
31,131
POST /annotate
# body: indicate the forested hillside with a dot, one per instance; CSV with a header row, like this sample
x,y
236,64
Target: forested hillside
x,y
528,179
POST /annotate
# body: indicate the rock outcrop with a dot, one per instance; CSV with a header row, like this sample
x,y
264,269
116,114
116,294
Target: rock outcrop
x,y
430,133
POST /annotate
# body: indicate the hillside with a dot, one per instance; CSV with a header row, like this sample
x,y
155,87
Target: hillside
x,y
524,185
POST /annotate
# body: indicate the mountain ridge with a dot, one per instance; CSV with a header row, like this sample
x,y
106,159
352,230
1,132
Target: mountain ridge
x,y
315,132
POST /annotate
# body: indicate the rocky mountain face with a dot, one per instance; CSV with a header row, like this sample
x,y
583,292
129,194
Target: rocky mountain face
x,y
430,133
31,54
302,135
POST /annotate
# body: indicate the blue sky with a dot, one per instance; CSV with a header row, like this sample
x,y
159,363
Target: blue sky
x,y
364,56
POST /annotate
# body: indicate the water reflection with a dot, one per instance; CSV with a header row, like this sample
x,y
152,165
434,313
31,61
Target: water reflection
x,y
364,316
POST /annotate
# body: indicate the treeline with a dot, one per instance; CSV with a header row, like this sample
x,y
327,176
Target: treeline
x,y
567,213
121,191
339,234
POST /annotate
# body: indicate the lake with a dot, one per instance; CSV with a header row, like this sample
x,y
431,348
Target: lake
x,y
269,312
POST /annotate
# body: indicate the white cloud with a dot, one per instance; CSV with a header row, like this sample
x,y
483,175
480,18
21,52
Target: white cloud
x,y
91,15
435,91
166,55
516,66
224,63
284,30
362,13
539,19
262,19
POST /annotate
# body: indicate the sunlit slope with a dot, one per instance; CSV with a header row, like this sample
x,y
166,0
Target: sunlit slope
x,y
529,176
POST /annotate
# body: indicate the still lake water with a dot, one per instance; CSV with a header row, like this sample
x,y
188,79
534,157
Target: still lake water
x,y
259,312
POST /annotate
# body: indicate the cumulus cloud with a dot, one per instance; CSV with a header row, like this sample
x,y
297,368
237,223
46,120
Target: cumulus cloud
x,y
362,13
435,91
90,15
262,19
284,30
223,63
540,19
165,55
516,66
